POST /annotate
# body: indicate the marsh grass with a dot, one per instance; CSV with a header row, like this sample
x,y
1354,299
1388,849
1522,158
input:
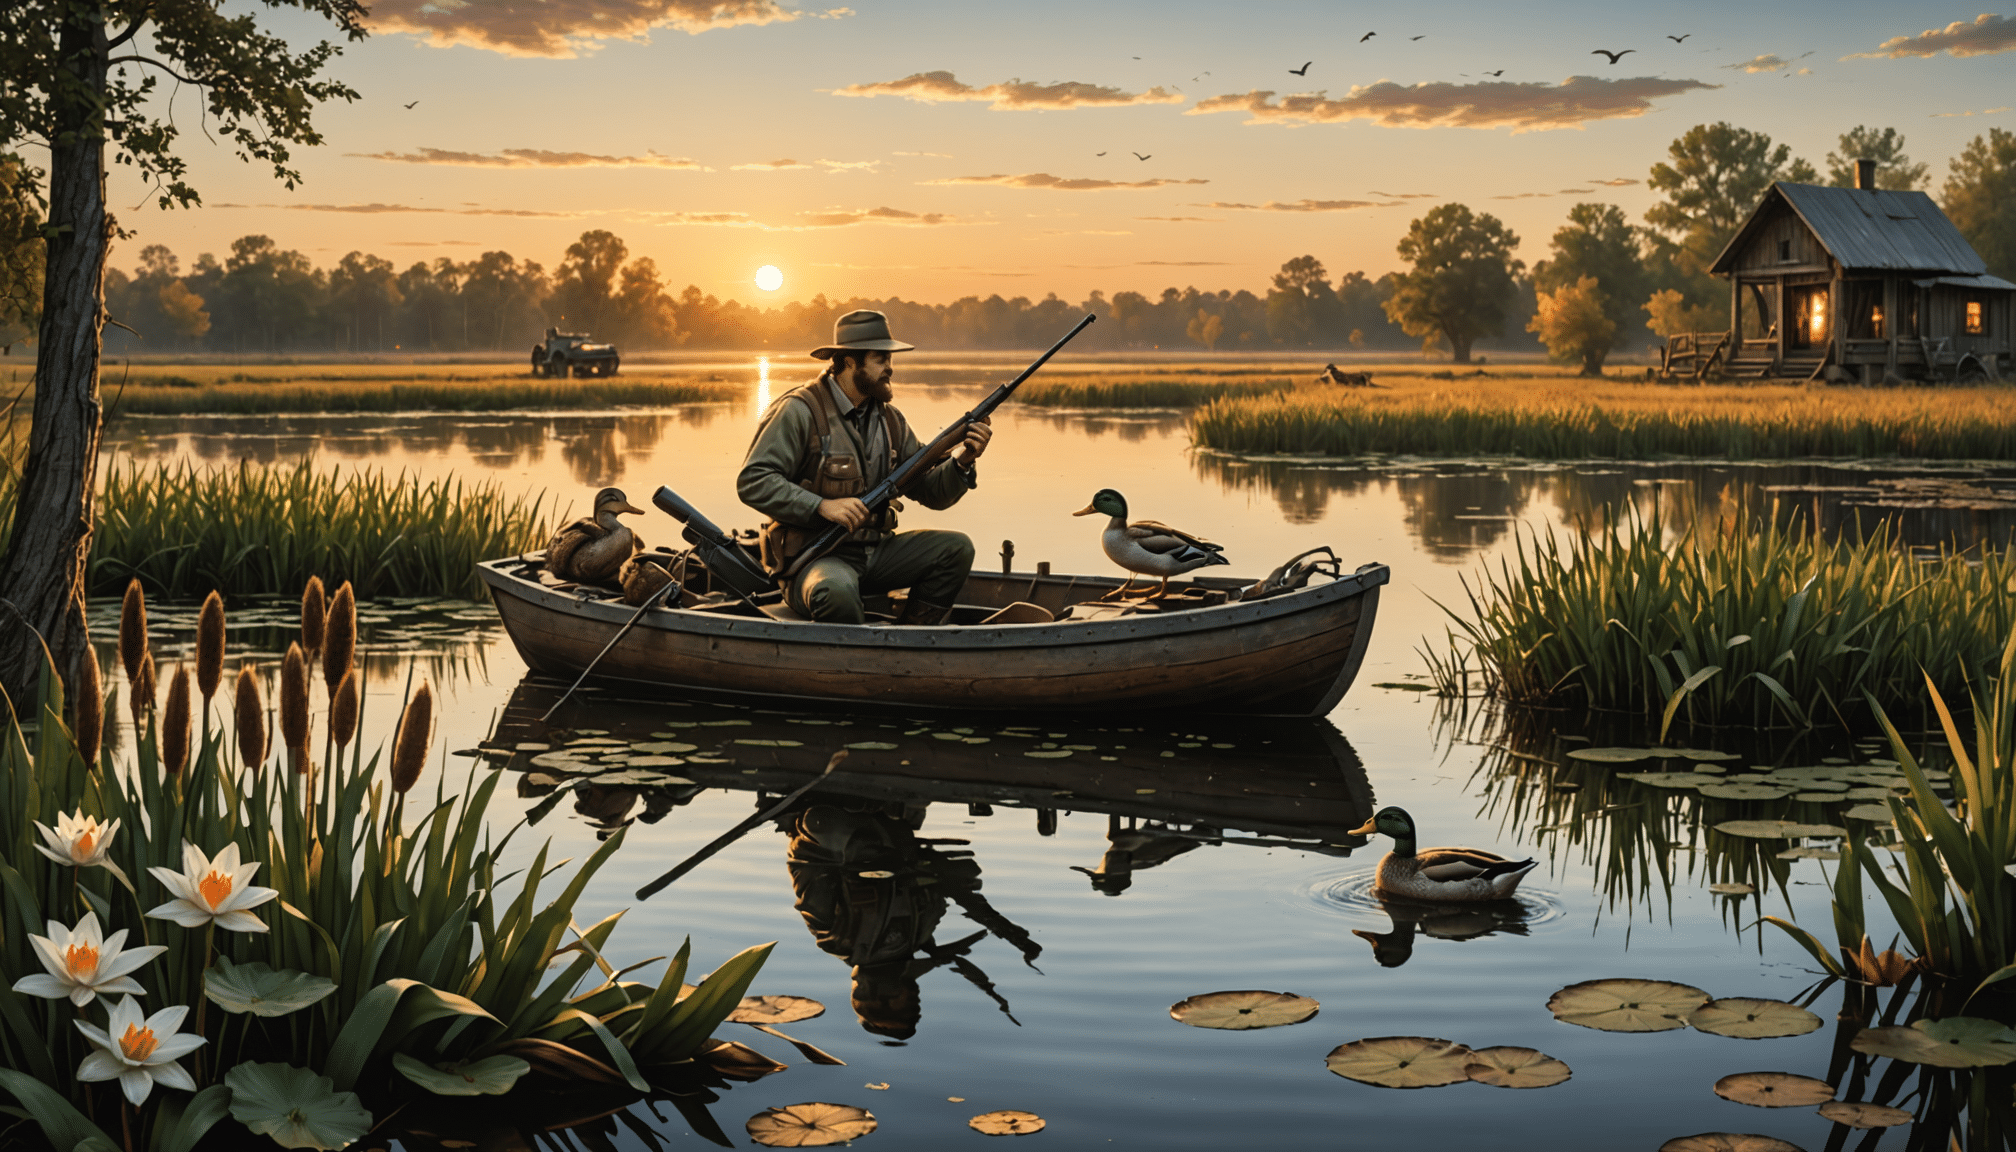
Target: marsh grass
x,y
1561,418
330,388
1143,392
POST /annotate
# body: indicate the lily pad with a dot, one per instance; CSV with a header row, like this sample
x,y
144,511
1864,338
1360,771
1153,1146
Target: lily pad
x,y
1750,1019
1816,797
1773,1089
262,990
1731,791
1240,1011
1611,755
1669,779
1048,754
1808,852
1824,785
1697,754
1507,1067
1957,1042
1859,1115
1627,1005
772,743
1728,1142
1868,794
653,761
664,747
871,746
1402,1061
1732,889
296,1107
636,778
561,760
490,1076
1878,813
1006,1122
1777,829
809,1125
776,1010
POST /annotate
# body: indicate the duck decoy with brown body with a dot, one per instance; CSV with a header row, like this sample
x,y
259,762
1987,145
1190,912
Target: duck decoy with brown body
x,y
1439,873
592,550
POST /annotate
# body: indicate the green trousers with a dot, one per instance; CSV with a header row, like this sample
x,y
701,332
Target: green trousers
x,y
931,563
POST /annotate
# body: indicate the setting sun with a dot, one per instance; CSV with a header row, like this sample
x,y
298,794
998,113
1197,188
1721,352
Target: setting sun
x,y
769,278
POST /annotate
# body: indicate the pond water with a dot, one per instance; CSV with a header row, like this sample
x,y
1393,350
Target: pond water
x,y
1044,913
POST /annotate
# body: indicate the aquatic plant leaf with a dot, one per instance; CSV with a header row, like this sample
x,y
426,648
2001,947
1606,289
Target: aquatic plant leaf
x,y
809,1125
664,747
776,1010
637,778
1627,1005
262,990
1401,1061
1822,785
1728,1142
561,760
1777,829
1048,754
1669,779
1956,1042
1773,1089
296,1107
1816,797
1696,754
759,743
1746,1018
1238,1011
1735,791
871,746
1808,852
1868,794
1732,889
1007,1122
653,761
1507,1067
1611,755
1859,1115
490,1076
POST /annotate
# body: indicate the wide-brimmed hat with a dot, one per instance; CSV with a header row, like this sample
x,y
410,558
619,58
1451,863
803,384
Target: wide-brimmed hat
x,y
862,331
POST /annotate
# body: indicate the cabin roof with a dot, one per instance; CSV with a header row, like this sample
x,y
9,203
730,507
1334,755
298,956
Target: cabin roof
x,y
1872,229
1984,281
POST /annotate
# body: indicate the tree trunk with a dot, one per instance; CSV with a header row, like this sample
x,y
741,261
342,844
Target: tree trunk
x,y
42,572
1459,347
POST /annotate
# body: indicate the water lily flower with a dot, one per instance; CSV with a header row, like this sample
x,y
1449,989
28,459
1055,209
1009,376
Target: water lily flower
x,y
78,839
84,964
210,891
139,1051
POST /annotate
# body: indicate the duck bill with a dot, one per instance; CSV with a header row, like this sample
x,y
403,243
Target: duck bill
x,y
1369,828
626,506
1085,511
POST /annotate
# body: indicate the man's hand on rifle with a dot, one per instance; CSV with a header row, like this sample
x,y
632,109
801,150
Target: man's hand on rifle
x,y
847,512
977,435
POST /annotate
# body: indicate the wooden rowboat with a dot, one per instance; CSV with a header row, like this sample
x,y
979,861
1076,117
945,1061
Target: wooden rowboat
x,y
1293,654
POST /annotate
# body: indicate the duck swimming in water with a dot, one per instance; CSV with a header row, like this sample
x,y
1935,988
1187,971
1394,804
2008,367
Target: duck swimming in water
x,y
592,550
1439,873
1148,547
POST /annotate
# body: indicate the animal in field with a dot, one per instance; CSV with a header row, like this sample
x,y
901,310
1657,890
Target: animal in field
x,y
1332,374
592,550
1148,547
1439,873
1614,56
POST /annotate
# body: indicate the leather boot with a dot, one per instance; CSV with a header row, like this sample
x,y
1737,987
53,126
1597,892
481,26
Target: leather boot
x,y
917,611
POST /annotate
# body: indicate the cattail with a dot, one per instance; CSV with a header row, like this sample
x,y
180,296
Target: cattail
x,y
251,717
87,706
314,616
339,640
343,710
409,747
133,630
294,700
210,647
175,724
143,690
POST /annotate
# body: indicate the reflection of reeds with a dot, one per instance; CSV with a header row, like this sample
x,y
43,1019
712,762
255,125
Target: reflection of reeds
x,y
1101,392
468,394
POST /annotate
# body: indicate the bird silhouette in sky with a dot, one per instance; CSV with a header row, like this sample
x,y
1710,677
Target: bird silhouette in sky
x,y
1679,39
1098,153
1423,36
1198,77
1366,36
1499,72
409,107
1302,71
1614,56
1138,156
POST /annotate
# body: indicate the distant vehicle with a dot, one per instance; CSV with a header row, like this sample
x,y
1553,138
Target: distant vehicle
x,y
572,352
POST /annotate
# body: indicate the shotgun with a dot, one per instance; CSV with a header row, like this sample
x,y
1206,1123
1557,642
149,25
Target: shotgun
x,y
723,557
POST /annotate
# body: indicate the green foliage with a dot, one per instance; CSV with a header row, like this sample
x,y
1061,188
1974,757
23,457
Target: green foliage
x,y
1598,242
1462,282
21,257
156,395
1712,178
1894,169
1572,322
1104,392
1980,197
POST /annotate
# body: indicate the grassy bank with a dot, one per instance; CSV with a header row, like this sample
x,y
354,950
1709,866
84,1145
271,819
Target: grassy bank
x,y
1561,418
194,391
1090,391
1747,625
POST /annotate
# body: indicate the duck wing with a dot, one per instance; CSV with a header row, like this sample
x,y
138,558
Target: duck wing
x,y
1155,536
1448,865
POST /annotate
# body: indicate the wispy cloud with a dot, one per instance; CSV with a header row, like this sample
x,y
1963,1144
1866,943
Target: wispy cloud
x,y
1293,206
1084,232
849,165
567,28
1987,35
1982,112
1182,219
1523,196
767,166
935,155
844,218
1769,62
1060,183
1575,191
1498,104
827,218
1012,96
1406,195
1619,182
381,209
530,158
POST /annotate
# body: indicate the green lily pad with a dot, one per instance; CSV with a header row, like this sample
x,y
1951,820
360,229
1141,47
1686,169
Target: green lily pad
x,y
1051,754
1669,779
1815,797
1824,785
1728,1142
1777,829
871,746
490,1076
776,1010
1626,1005
637,778
1611,755
1868,794
1809,852
296,1107
1741,791
652,761
1748,1019
664,747
1401,1061
1859,1115
1506,1067
560,760
1696,754
262,990
1956,1042
813,1125
1774,1089
1239,1011
1878,813
772,743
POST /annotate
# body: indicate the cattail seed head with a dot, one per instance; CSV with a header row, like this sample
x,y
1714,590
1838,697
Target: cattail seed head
x,y
294,699
210,646
339,641
409,747
143,690
175,724
314,616
343,710
250,713
133,630
87,706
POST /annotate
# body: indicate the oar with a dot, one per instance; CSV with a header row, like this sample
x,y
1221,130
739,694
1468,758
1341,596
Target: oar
x,y
650,602
735,833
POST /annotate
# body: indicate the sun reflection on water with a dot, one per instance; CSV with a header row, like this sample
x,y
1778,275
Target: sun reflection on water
x,y
762,386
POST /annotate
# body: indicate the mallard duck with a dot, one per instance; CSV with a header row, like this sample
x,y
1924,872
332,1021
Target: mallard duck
x,y
592,550
1147,546
1439,873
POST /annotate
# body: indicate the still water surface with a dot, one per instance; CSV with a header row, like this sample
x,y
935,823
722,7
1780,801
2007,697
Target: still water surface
x,y
1037,972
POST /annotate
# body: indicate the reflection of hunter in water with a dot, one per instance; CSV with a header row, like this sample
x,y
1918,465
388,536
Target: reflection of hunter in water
x,y
1132,846
872,892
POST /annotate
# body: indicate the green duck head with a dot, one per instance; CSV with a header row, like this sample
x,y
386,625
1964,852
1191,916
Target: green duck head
x,y
1394,822
1106,501
612,500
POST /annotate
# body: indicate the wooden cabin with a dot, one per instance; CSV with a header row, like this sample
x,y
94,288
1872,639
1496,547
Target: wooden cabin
x,y
1859,285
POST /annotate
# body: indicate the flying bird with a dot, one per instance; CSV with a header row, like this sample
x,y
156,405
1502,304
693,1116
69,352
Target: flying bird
x,y
1678,39
1499,72
1098,153
1423,36
1194,79
409,107
1302,71
1366,36
1138,156
1615,56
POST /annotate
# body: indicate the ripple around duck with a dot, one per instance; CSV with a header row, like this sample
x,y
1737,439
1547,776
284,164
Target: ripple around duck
x,y
1354,896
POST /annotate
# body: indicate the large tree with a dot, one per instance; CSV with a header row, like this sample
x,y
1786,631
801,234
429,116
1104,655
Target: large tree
x,y
1713,178
1461,285
1980,196
1599,244
1894,169
79,77
584,285
1302,308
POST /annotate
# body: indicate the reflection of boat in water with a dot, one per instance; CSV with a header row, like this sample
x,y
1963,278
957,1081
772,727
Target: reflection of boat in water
x,y
1292,654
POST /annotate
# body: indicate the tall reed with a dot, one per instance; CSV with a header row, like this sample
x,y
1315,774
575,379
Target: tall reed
x,y
1151,392
314,615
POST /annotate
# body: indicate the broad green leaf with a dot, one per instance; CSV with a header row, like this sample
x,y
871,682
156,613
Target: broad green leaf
x,y
295,1107
60,1121
490,1076
261,990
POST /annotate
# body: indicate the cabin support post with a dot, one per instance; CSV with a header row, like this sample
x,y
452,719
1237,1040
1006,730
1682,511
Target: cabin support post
x,y
1778,329
1837,330
1893,299
1735,316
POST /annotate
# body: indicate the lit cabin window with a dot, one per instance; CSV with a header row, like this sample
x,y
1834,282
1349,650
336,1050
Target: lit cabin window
x,y
1816,324
1977,319
1876,322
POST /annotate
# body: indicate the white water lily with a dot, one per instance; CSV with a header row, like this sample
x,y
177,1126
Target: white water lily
x,y
210,891
84,963
77,839
139,1051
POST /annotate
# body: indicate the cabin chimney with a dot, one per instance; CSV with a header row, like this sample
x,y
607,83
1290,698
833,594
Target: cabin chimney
x,y
1865,175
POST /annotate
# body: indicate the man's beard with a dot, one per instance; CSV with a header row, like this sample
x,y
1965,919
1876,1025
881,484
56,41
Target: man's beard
x,y
878,389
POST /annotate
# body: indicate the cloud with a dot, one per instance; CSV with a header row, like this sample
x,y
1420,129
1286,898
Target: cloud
x,y
567,28
842,219
1498,104
1084,232
829,218
1186,263
938,155
1987,35
849,165
1013,96
1182,219
1574,191
1619,182
767,166
1060,183
1406,195
1294,206
529,158
379,209
1982,112
1769,62
1523,196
